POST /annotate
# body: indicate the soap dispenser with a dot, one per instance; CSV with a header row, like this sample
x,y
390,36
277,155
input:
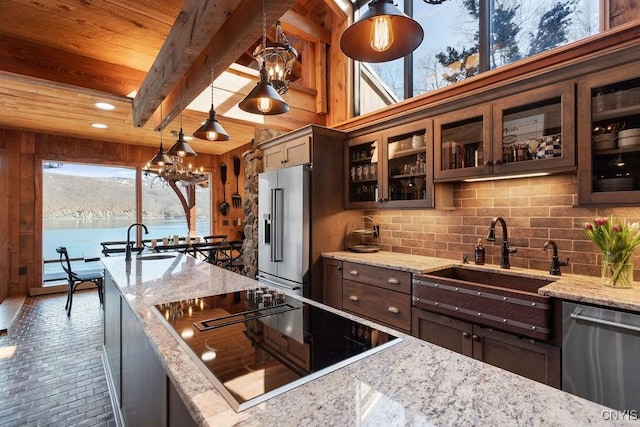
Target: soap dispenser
x,y
479,253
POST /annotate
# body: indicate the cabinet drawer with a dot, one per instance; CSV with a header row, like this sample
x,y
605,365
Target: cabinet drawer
x,y
378,276
380,305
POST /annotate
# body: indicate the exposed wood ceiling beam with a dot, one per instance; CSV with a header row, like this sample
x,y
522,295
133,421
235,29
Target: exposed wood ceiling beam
x,y
295,24
182,69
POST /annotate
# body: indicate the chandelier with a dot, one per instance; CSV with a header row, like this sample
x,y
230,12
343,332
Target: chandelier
x,y
171,167
278,58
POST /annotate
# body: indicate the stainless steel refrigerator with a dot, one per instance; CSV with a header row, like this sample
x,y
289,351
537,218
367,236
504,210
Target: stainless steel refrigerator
x,y
284,229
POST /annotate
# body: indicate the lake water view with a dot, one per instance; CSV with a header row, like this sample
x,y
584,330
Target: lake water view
x,y
84,237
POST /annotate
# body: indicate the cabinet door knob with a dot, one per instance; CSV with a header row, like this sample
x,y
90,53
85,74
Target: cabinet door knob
x,y
487,163
339,267
475,337
393,281
353,298
465,335
354,272
393,310
497,162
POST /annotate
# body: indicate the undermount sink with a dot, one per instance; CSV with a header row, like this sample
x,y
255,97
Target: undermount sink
x,y
501,300
154,257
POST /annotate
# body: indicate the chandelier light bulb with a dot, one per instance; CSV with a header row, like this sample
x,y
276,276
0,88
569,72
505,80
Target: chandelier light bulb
x,y
381,33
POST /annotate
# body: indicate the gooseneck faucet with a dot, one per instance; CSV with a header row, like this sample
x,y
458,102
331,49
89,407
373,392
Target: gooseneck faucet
x,y
505,250
555,261
127,256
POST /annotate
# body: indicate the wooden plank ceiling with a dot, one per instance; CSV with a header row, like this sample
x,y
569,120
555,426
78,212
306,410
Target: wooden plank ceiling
x,y
59,57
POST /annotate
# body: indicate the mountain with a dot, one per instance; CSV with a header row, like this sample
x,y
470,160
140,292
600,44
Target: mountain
x,y
80,197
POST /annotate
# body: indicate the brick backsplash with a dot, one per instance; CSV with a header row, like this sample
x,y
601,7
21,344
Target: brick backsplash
x,y
535,210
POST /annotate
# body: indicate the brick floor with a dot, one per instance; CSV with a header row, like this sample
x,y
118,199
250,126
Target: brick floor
x,y
56,376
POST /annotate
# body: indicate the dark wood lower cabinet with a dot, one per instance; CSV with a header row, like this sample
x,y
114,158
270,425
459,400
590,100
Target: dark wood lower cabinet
x,y
332,282
143,394
532,359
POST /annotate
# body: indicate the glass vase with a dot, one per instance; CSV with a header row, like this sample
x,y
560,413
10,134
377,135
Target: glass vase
x,y
617,270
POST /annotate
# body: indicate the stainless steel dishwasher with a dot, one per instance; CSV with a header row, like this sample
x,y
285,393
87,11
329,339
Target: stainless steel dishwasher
x,y
601,355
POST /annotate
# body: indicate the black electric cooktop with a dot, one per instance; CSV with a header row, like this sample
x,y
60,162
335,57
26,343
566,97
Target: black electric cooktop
x,y
256,344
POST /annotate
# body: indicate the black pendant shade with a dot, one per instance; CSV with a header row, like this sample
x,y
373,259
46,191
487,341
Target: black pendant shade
x,y
264,99
212,130
383,33
160,159
181,148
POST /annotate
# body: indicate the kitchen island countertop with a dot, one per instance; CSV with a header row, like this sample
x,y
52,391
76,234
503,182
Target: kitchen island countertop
x,y
411,383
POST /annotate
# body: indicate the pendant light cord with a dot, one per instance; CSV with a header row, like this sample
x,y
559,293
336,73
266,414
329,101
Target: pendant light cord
x,y
161,124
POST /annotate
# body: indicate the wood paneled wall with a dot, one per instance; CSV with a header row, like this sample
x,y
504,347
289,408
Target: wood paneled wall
x,y
21,156
228,224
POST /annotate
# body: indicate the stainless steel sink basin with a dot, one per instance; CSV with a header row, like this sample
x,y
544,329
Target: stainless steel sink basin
x,y
154,257
500,300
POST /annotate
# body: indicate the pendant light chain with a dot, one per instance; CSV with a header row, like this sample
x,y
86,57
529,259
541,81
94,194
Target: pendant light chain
x,y
264,28
211,73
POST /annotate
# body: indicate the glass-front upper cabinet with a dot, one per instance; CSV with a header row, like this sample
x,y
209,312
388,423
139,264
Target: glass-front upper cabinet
x,y
609,137
363,171
462,141
534,131
391,168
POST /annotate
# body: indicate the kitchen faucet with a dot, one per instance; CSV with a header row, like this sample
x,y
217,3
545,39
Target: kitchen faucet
x,y
506,250
127,256
555,261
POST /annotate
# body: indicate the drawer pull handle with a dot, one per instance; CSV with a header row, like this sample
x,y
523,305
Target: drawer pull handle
x,y
475,337
465,335
353,298
393,281
393,310
354,272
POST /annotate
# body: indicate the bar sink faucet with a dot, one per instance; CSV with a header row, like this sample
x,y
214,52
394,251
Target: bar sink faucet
x,y
127,256
555,261
505,250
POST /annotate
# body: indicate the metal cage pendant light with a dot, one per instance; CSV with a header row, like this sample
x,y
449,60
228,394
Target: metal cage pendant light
x,y
264,99
278,58
211,129
383,33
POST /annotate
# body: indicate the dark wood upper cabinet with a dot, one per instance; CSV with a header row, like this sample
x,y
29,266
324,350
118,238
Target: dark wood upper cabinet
x,y
609,137
531,131
391,168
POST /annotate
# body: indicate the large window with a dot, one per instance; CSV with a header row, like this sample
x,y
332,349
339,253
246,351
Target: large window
x,y
84,205
465,37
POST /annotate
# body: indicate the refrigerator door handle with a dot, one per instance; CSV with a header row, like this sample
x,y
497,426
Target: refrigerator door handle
x,y
276,224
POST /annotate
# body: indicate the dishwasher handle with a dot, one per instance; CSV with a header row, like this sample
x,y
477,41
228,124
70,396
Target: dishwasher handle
x,y
577,316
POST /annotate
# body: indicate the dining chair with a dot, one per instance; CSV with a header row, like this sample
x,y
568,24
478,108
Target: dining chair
x,y
76,278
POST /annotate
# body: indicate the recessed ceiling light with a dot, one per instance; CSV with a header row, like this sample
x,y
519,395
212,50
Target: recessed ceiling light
x,y
99,125
104,106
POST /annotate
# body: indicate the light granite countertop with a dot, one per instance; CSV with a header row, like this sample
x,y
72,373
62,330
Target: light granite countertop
x,y
573,287
410,383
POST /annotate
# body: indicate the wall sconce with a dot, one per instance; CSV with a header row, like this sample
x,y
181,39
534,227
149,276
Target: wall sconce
x,y
383,33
